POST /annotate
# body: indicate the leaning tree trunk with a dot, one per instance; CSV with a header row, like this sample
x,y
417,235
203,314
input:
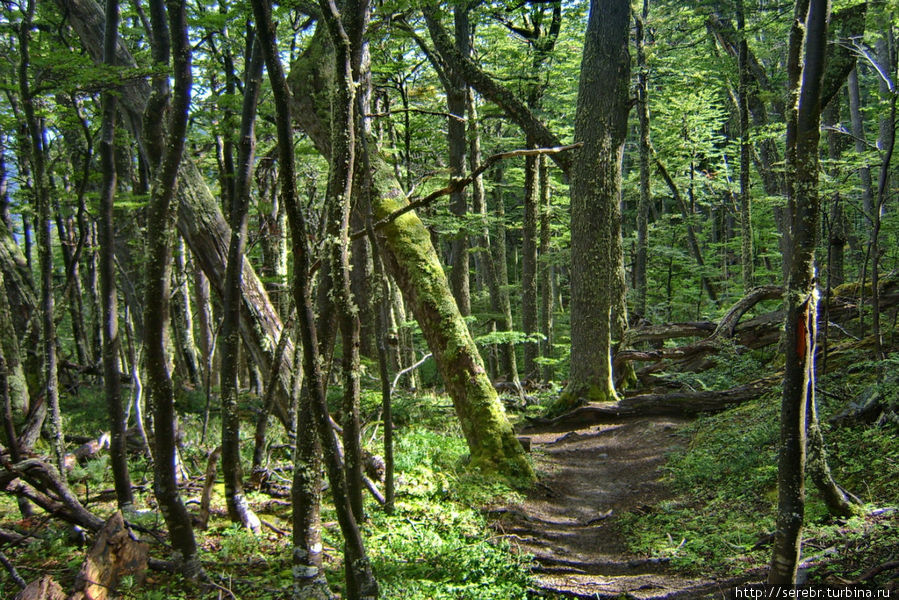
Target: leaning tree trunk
x,y
802,295
596,254
413,262
417,270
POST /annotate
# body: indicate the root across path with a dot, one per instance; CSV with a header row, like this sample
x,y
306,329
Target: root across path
x,y
570,521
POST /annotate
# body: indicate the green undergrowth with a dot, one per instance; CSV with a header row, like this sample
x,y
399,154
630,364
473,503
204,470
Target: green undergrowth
x,y
724,493
436,545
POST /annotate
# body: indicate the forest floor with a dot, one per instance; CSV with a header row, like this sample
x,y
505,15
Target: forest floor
x,y
569,522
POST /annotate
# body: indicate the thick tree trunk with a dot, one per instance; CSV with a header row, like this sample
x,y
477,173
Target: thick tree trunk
x,y
456,102
16,381
410,256
596,253
418,272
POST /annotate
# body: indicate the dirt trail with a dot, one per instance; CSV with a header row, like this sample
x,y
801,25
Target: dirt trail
x,y
569,522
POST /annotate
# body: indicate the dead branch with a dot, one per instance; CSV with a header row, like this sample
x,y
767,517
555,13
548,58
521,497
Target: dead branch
x,y
11,569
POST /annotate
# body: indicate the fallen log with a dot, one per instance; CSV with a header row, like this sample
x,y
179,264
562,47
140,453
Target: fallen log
x,y
41,483
677,404
731,333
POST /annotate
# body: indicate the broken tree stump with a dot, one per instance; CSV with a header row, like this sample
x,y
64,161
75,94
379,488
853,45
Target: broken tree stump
x,y
114,554
44,588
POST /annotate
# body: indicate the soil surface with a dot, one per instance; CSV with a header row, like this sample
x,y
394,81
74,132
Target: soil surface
x,y
569,521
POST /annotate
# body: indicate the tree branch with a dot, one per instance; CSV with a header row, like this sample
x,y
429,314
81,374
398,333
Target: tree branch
x,y
514,108
459,184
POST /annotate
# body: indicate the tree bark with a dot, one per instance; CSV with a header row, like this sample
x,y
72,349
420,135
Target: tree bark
x,y
805,76
596,253
640,260
35,145
456,103
412,261
238,508
360,581
545,271
111,342
746,252
529,263
158,280
200,219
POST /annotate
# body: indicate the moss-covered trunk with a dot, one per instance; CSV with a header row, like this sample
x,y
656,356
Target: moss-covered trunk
x,y
596,253
417,270
803,207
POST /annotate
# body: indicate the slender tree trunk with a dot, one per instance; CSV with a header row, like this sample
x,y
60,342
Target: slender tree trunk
x,y
383,316
499,283
238,508
182,318
886,143
360,581
857,128
457,100
529,262
805,78
544,283
45,249
159,254
111,343
640,261
746,252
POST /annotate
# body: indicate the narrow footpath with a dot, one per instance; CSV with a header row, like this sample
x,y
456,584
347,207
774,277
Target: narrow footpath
x,y
570,520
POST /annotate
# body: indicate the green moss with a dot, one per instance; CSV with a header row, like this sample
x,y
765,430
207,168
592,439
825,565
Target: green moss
x,y
579,395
